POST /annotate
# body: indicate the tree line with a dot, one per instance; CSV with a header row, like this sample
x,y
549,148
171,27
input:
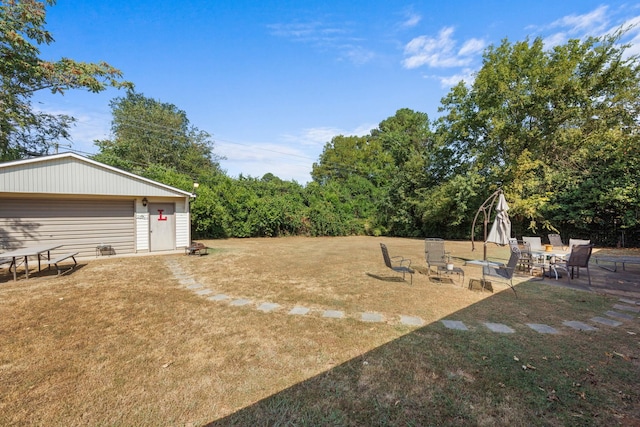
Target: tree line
x,y
556,128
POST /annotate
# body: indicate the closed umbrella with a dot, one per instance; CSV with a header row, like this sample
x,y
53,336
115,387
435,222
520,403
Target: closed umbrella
x,y
501,229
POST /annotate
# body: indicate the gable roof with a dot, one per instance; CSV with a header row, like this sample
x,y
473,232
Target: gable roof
x,y
70,173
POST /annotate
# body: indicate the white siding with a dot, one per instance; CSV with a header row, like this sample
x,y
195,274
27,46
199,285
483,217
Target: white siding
x,y
77,224
142,232
77,175
182,230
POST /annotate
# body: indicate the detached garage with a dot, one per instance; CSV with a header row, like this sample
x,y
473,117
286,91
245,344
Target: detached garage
x,y
89,207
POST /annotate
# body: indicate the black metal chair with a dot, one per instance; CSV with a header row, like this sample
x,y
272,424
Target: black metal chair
x,y
578,258
503,273
398,261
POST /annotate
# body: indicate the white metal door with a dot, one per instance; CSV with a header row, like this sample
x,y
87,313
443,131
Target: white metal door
x,y
162,226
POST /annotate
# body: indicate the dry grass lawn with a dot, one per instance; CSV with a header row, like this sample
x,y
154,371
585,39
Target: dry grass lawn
x,y
122,342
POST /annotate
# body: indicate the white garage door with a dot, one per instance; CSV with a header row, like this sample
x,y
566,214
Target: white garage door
x,y
79,225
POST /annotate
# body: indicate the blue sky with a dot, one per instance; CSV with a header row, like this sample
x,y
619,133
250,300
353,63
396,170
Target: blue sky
x,y
274,81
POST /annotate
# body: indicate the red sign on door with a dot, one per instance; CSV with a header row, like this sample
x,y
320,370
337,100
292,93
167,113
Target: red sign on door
x,y
160,217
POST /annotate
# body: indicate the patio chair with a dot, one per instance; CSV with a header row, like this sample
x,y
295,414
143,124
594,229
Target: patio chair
x,y
576,242
556,241
535,243
535,247
525,263
434,254
578,258
503,273
398,261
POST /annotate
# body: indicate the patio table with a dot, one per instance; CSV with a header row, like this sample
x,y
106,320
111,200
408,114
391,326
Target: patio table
x,y
482,263
549,259
26,253
442,269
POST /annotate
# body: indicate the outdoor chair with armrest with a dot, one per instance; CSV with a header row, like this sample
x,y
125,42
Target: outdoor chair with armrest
x,y
399,261
526,260
535,246
576,242
434,254
578,258
535,242
556,241
503,273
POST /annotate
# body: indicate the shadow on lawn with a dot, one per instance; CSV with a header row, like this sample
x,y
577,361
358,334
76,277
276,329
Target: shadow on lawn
x,y
439,376
6,275
387,278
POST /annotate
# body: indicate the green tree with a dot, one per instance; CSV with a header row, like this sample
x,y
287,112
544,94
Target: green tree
x,y
149,132
542,122
23,72
408,139
355,171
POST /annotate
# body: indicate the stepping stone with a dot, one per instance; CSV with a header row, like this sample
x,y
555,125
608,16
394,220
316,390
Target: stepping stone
x,y
268,306
499,327
604,321
455,324
204,292
580,326
629,301
195,286
627,308
301,311
541,328
240,302
333,314
219,297
625,316
411,321
371,317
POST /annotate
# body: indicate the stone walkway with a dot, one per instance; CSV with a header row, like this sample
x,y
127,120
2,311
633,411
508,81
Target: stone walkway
x,y
624,310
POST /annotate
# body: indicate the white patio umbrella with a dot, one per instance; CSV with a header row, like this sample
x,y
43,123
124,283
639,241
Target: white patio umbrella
x,y
501,229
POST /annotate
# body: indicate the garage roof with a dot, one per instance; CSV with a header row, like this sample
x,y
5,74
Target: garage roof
x,y
70,173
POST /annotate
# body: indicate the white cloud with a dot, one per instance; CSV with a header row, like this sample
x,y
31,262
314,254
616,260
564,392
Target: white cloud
x,y
467,75
592,22
599,22
312,136
88,127
412,20
632,36
440,51
326,36
292,159
257,159
319,136
555,39
357,54
306,31
471,47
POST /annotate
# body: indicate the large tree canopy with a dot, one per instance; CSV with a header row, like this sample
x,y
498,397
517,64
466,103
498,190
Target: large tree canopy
x,y
148,132
552,125
556,127
23,72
